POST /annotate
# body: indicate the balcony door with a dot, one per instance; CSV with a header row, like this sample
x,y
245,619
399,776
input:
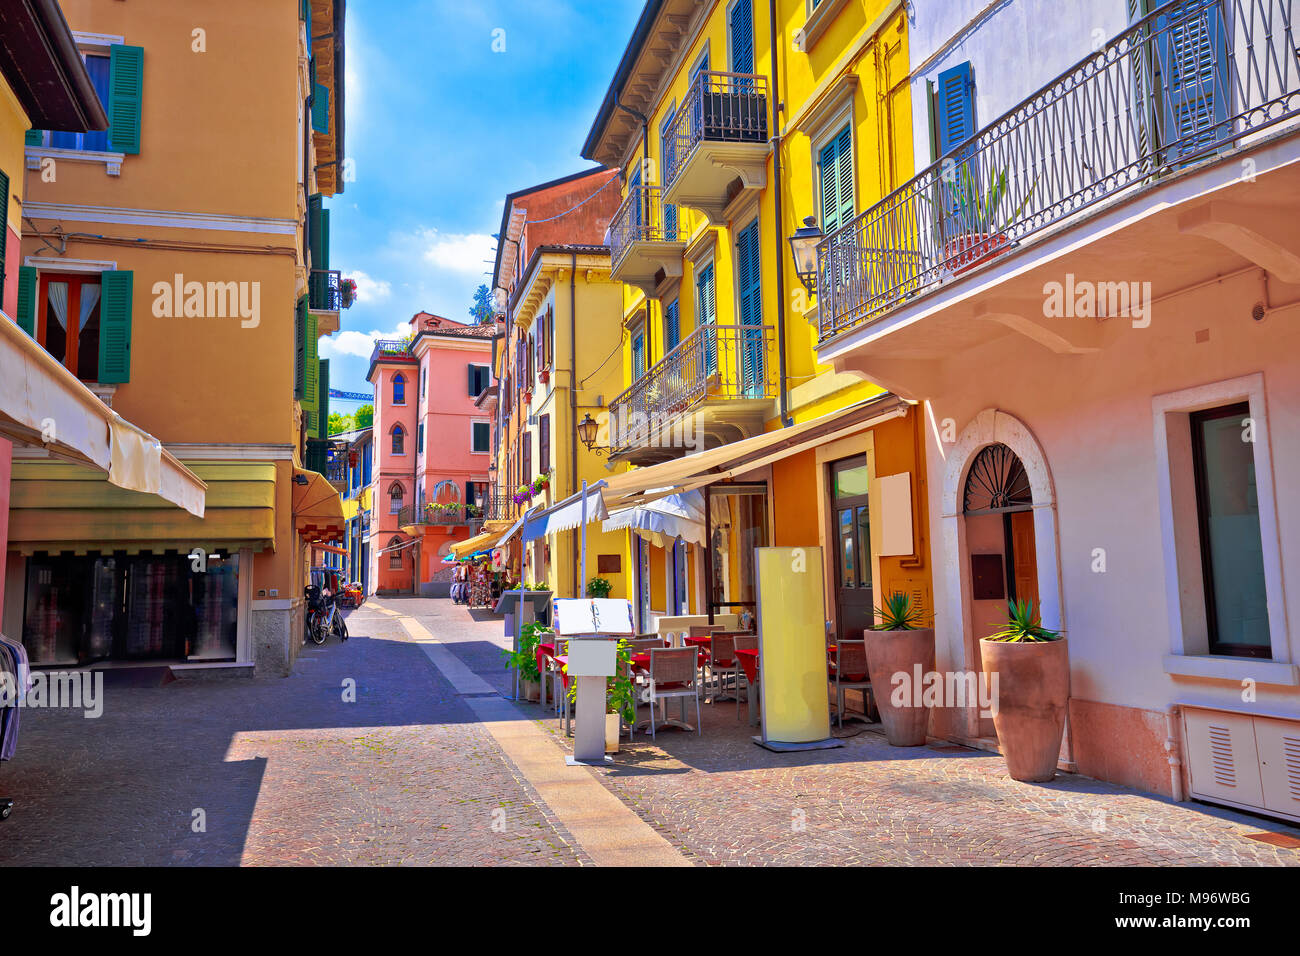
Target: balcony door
x,y
750,355
740,34
68,322
706,316
1193,61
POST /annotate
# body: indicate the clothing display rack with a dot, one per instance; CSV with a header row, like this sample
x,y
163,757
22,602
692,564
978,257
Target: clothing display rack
x,y
15,682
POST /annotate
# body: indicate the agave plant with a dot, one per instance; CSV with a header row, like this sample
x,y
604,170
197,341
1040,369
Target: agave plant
x,y
1023,626
978,212
899,612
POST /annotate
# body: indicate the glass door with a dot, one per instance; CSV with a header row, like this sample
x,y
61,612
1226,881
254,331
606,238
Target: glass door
x,y
854,590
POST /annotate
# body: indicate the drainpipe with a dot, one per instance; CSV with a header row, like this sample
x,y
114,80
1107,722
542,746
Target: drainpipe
x,y
1175,760
578,570
777,108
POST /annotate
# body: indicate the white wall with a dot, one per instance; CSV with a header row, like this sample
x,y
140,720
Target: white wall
x,y
1014,47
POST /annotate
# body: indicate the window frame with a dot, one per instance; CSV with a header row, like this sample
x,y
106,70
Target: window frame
x,y
393,433
473,424
398,379
75,280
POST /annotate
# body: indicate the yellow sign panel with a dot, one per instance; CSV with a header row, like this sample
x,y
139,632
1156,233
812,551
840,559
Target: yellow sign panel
x,y
792,645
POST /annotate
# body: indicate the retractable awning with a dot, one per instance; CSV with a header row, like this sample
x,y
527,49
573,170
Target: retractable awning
x,y
317,507
568,514
479,542
643,485
42,404
664,520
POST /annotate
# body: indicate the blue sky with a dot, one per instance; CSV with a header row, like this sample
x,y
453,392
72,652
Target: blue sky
x,y
440,127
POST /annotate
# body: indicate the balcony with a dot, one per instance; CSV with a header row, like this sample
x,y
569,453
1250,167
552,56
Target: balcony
x,y
1174,94
717,147
453,514
714,387
645,243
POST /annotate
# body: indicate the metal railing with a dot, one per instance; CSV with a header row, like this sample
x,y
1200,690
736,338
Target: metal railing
x,y
643,217
391,348
325,290
493,508
1185,83
726,362
718,108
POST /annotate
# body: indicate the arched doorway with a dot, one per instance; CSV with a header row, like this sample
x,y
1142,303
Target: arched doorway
x,y
999,534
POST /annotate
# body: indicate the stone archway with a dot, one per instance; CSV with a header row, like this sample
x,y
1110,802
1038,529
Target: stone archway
x,y
955,611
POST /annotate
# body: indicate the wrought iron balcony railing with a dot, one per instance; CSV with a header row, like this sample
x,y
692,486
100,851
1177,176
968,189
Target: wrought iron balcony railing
x,y
325,290
643,217
718,108
1187,82
493,508
391,348
715,362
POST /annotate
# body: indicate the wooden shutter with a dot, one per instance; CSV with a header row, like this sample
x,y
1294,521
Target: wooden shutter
x,y
742,37
956,107
747,265
1193,65
672,326
550,337
318,231
320,108
4,229
527,475
125,96
27,283
115,326
836,166
34,137
324,405
311,376
300,346
544,444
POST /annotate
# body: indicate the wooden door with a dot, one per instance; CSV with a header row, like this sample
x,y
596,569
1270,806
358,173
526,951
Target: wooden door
x,y
1024,557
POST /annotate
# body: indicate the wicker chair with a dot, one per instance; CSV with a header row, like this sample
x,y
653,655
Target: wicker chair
x,y
850,673
673,674
722,664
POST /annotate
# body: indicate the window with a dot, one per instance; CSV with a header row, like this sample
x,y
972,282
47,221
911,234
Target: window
x,y
394,556
672,326
96,141
668,152
446,493
478,380
395,498
1227,505
544,444
741,33
835,169
956,107
68,321
480,437
638,355
706,314
419,438
399,440
399,389
526,440
423,380
750,291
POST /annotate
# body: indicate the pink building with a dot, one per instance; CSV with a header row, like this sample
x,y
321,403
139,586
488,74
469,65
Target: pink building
x,y
433,446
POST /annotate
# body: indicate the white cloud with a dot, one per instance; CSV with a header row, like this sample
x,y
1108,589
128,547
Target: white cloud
x,y
360,344
370,290
467,253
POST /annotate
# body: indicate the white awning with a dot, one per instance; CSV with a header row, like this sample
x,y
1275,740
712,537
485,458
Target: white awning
x,y
42,404
514,530
567,514
665,519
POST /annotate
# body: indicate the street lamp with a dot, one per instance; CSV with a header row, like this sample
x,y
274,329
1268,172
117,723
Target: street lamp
x,y
587,432
803,246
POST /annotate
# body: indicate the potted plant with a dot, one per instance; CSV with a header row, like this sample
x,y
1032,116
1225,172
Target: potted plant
x,y
981,234
900,644
599,588
347,293
524,660
1028,666
620,697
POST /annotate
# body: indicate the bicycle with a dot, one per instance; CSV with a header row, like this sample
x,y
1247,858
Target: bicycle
x,y
323,616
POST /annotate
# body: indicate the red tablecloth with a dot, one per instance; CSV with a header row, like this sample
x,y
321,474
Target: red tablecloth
x,y
749,661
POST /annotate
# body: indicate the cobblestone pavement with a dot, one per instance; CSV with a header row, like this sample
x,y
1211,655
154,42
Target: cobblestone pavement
x,y
285,771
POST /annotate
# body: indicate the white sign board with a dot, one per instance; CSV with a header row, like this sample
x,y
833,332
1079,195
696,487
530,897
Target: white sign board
x,y
593,658
593,616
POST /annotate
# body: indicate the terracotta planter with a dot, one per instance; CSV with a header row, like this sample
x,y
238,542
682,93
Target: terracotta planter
x,y
895,652
1032,693
963,253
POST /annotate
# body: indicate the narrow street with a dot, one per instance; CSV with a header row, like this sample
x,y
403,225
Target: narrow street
x,y
430,766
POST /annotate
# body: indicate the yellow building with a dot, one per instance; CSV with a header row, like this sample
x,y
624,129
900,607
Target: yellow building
x,y
725,150
177,264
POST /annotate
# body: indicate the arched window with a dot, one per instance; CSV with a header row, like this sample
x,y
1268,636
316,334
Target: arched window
x,y
997,483
446,493
399,389
395,498
395,557
399,440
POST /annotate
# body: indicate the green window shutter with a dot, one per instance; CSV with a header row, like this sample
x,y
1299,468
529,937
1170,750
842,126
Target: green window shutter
x,y
311,378
323,414
27,300
324,239
320,108
115,326
300,347
315,230
4,228
34,137
125,94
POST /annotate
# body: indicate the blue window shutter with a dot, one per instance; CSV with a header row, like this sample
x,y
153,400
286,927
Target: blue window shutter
x,y
742,37
1193,62
125,95
27,282
672,325
34,137
956,107
115,300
